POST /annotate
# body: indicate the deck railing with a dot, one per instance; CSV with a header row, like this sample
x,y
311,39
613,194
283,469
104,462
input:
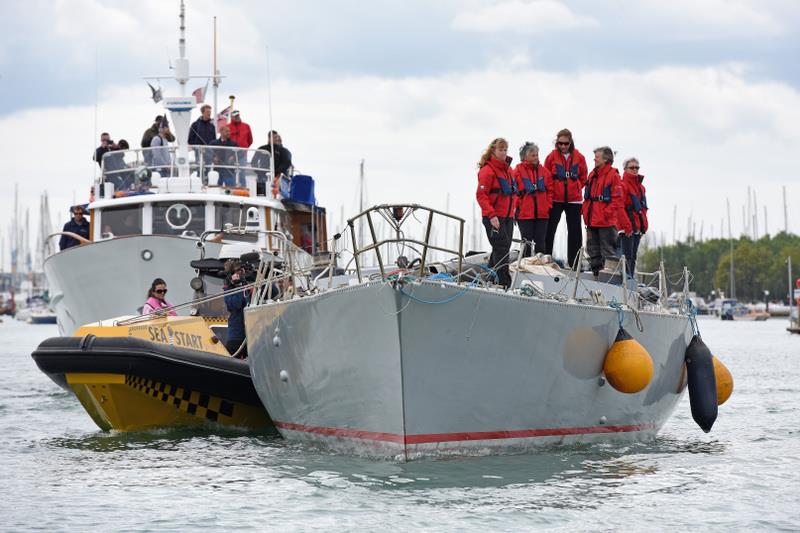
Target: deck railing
x,y
124,168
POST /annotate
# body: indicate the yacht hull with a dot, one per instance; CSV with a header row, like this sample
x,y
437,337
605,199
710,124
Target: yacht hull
x,y
440,369
108,278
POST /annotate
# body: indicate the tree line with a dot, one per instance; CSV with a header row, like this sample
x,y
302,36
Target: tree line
x,y
758,266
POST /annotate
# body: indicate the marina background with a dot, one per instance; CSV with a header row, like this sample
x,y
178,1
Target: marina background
x,y
62,473
703,97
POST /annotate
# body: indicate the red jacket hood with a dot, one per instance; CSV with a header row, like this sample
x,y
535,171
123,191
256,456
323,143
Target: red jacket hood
x,y
497,165
636,178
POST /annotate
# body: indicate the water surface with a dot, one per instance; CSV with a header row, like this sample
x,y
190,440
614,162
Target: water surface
x,y
59,472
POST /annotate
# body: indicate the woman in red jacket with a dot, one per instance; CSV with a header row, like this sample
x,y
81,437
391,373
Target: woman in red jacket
x,y
602,202
496,195
632,218
568,168
535,189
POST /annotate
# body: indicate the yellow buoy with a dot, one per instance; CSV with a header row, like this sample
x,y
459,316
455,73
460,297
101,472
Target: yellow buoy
x,y
724,381
628,367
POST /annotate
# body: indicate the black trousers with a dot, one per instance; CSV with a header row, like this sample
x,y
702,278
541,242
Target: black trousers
x,y
533,230
500,239
574,232
233,344
601,244
629,247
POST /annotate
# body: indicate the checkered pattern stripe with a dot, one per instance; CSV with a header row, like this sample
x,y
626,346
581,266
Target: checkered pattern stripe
x,y
191,402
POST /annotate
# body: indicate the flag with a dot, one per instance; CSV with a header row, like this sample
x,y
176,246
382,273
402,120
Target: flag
x,y
223,117
200,93
156,93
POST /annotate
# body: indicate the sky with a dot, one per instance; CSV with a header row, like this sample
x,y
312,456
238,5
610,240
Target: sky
x,y
705,93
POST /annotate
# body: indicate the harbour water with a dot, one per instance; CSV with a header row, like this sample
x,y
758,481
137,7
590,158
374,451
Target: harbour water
x,y
59,472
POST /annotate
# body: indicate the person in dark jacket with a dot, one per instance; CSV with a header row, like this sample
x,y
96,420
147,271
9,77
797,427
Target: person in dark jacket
x,y
283,157
224,159
151,132
201,133
106,145
236,303
78,225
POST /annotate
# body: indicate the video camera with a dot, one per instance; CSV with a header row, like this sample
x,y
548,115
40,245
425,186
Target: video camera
x,y
246,267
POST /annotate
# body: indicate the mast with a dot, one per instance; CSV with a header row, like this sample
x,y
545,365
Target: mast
x,y
361,203
755,216
791,292
215,78
785,213
730,241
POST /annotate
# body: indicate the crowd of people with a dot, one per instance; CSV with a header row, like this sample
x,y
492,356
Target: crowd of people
x,y
535,195
157,139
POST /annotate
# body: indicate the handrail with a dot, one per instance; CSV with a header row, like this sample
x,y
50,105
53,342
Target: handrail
x,y
397,215
202,158
79,238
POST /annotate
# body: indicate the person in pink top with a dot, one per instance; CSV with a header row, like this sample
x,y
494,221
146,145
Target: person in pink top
x,y
243,137
157,299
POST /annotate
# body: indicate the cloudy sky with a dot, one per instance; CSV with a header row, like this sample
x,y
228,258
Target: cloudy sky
x,y
705,93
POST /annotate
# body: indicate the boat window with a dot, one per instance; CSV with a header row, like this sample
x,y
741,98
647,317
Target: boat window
x,y
179,218
229,214
120,221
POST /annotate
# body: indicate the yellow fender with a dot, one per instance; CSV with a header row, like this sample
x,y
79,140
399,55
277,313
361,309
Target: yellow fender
x,y
628,367
724,381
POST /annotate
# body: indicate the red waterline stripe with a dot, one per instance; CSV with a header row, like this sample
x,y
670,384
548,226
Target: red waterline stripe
x,y
455,437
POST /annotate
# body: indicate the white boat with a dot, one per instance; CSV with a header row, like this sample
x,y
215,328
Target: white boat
x,y
146,220
417,362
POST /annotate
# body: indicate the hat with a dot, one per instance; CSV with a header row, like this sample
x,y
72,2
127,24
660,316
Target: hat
x,y
76,208
158,118
235,113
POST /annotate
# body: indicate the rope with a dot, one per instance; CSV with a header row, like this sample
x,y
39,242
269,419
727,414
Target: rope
x,y
620,312
691,313
433,302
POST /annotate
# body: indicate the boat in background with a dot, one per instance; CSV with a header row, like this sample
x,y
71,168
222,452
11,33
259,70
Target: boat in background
x,y
146,219
734,310
427,358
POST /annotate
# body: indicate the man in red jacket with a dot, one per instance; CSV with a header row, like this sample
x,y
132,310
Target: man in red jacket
x,y
496,195
632,218
602,201
568,168
243,137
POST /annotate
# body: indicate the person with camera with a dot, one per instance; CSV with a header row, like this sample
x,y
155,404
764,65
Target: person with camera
x,y
106,145
236,342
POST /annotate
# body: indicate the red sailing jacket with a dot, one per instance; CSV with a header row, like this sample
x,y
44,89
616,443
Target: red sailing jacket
x,y
535,186
632,218
568,178
241,134
602,198
496,189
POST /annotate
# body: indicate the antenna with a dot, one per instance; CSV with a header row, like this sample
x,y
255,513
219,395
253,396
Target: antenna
x,y
269,110
785,213
216,76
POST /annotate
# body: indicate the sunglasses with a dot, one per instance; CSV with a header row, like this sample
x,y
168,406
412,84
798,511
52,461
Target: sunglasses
x,y
634,168
160,291
562,143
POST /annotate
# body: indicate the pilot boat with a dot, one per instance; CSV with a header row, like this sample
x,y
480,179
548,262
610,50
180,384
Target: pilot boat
x,y
134,373
430,359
